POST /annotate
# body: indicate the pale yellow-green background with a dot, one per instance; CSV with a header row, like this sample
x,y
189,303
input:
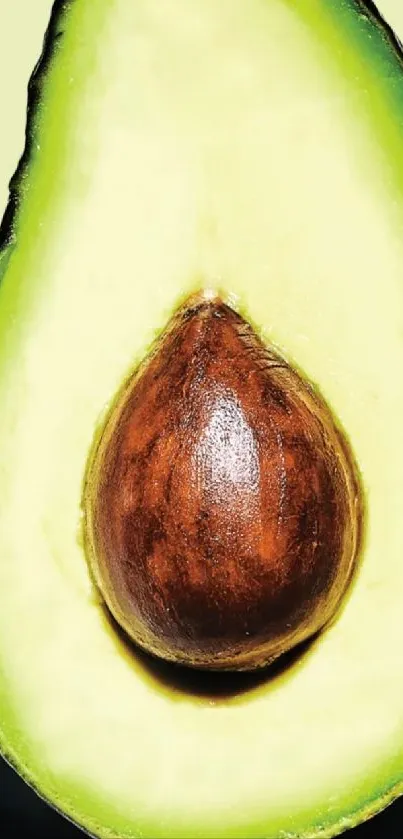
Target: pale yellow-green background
x,y
22,25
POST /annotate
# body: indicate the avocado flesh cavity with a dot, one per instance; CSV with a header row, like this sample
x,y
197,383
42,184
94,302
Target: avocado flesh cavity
x,y
222,514
255,147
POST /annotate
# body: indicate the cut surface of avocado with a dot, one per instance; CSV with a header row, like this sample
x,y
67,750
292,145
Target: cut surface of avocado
x,y
254,148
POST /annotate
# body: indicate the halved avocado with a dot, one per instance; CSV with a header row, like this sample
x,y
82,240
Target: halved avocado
x,y
252,147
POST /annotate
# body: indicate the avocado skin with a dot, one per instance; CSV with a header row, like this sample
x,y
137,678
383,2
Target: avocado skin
x,y
53,34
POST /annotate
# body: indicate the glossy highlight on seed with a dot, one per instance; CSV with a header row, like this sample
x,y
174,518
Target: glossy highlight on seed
x,y
222,508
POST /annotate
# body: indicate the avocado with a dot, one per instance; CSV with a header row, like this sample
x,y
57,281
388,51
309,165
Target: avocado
x,y
250,147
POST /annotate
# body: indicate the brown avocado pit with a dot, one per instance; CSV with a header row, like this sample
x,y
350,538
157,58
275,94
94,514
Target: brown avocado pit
x,y
221,504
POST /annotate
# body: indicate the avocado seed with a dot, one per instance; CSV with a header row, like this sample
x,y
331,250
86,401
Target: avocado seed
x,y
221,506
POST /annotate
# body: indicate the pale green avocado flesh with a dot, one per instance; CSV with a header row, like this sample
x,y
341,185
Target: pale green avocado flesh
x,y
251,147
